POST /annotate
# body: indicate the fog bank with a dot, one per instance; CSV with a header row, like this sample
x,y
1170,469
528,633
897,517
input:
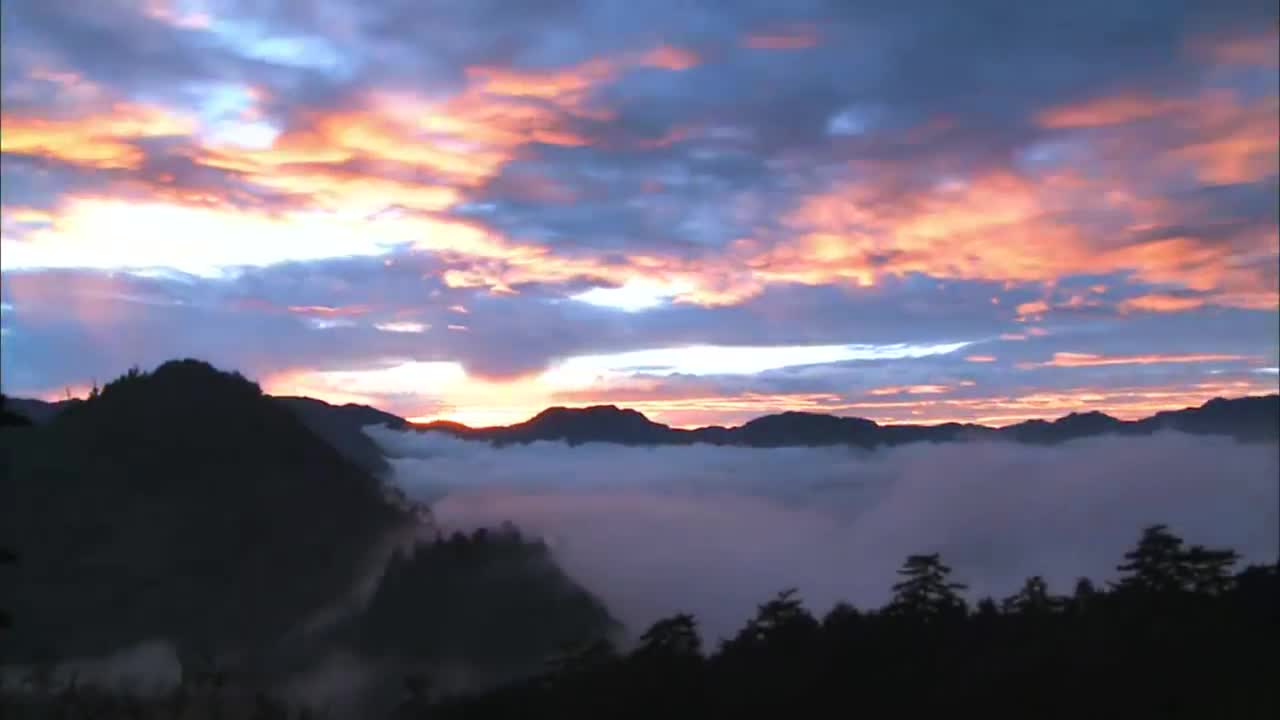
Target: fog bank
x,y
717,530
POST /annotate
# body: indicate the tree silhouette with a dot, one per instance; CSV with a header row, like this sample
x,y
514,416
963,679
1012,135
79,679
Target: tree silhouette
x,y
1033,599
925,593
675,636
1156,565
1209,571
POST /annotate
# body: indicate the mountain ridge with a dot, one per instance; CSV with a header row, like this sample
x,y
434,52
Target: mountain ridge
x,y
1250,418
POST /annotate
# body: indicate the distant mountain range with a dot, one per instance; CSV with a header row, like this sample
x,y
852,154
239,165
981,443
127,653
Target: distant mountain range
x,y
1248,419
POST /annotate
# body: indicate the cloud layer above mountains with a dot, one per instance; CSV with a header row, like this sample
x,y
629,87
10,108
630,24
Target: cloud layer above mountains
x,y
717,530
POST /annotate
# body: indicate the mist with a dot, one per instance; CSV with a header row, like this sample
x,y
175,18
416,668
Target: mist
x,y
715,531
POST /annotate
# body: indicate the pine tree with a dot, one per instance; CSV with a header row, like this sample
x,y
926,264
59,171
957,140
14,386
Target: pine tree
x,y
784,615
1033,599
1209,572
925,592
673,636
1156,565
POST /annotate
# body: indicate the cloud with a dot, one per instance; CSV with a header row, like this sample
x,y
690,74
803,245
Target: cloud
x,y
797,37
694,169
714,531
101,141
1071,359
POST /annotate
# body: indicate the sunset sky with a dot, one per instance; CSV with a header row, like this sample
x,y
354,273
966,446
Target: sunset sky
x,y
907,210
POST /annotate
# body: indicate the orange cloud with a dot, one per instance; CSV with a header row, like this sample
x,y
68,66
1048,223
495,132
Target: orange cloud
x,y
459,141
429,152
1158,302
323,186
1221,135
171,13
1070,359
1036,307
910,390
670,58
1117,110
1237,142
100,140
996,226
796,37
564,83
1000,226
1260,49
980,358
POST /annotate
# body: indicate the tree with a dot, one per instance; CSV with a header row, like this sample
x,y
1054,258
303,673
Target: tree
x,y
1208,572
1033,599
782,617
676,636
1156,565
925,592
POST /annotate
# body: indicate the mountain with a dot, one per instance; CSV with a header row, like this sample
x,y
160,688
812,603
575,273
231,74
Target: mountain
x,y
181,504
341,426
38,411
802,428
602,423
185,505
1248,419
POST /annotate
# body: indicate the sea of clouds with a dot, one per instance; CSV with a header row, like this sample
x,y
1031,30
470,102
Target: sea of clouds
x,y
715,531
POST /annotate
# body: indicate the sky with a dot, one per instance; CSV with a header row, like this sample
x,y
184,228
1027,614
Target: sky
x,y
912,211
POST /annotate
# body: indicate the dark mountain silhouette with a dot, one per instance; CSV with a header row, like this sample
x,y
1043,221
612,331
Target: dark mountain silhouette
x,y
181,504
801,428
1249,419
491,594
39,411
341,425
601,423
10,415
184,504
